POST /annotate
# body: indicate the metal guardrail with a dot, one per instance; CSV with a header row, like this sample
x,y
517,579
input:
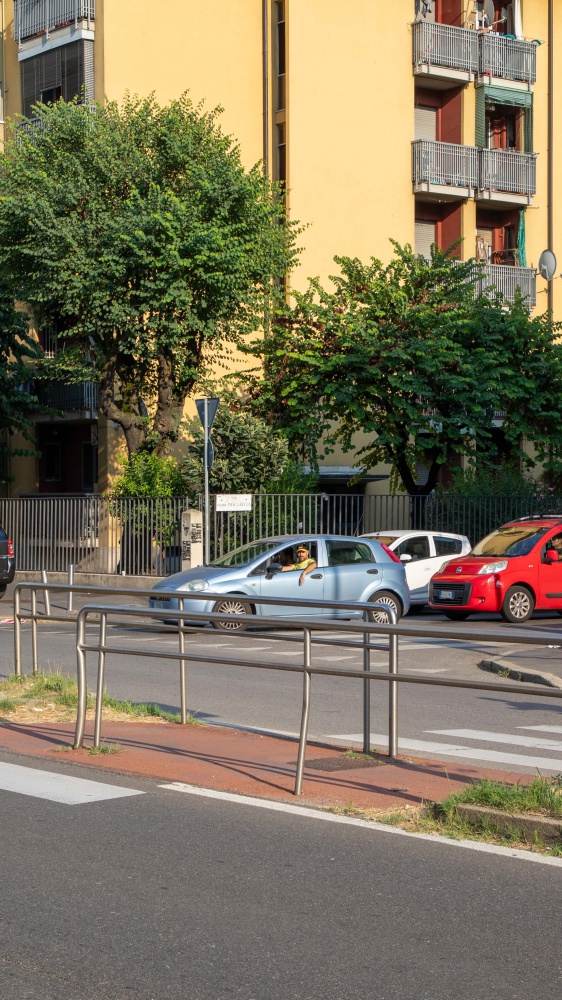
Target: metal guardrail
x,y
444,45
506,279
507,171
34,17
509,58
360,630
444,163
61,396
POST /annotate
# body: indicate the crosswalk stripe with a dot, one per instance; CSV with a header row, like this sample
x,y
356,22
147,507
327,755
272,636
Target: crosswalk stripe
x,y
520,741
58,787
543,729
452,750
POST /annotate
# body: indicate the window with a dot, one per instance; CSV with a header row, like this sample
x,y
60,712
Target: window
x,y
417,548
425,123
447,546
51,454
348,554
62,72
281,55
425,234
281,153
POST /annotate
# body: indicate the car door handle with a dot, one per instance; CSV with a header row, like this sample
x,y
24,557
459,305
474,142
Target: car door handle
x,y
316,576
374,571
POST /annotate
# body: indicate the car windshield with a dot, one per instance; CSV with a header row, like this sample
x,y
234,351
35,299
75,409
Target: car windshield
x,y
245,554
514,540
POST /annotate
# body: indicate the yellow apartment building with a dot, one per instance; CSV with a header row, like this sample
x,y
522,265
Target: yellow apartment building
x,y
419,120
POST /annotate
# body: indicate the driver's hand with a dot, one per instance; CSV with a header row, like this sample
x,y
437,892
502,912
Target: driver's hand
x,y
301,579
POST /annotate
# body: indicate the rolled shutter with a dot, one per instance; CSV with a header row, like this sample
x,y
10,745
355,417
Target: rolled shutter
x,y
425,123
425,235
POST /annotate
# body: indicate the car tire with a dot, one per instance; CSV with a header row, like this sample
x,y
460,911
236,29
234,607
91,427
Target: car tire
x,y
518,605
384,597
457,616
232,605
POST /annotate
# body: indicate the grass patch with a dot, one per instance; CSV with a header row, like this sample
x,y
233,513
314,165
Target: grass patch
x,y
8,705
104,748
355,755
542,796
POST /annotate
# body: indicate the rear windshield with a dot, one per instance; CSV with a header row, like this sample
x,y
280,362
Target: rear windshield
x,y
515,540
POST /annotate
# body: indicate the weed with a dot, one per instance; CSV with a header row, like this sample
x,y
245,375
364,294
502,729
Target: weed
x,y
104,748
543,795
8,705
355,755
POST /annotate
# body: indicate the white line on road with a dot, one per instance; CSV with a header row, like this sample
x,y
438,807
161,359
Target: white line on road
x,y
58,787
543,729
306,813
520,741
452,750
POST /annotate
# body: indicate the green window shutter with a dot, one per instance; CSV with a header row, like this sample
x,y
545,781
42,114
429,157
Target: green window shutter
x,y
528,137
505,95
480,132
521,240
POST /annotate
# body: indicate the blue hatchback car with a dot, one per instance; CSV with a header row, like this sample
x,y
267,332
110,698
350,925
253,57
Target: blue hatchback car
x,y
347,569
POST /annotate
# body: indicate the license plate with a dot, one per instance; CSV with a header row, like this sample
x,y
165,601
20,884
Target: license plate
x,y
445,595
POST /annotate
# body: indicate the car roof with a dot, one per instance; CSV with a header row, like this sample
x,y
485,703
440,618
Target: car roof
x,y
538,521
411,531
303,537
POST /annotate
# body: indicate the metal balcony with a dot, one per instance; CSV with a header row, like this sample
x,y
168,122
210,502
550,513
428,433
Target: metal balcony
x,y
445,170
442,51
506,279
506,176
69,398
507,58
37,17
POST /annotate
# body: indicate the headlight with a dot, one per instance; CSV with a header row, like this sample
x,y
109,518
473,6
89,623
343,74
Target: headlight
x,y
495,567
198,585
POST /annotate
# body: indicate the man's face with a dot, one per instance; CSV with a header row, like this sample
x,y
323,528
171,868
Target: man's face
x,y
302,554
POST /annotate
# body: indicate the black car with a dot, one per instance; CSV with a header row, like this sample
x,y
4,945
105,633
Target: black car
x,y
7,562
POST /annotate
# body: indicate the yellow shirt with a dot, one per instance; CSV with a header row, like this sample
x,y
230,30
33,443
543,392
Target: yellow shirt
x,y
304,564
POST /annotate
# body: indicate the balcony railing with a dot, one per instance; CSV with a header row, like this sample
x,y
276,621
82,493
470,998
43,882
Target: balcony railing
x,y
445,164
444,45
506,279
70,398
35,17
502,170
509,58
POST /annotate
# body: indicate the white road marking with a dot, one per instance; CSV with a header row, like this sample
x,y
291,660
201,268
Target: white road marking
x,y
429,670
293,652
453,750
520,741
58,787
333,659
306,813
543,729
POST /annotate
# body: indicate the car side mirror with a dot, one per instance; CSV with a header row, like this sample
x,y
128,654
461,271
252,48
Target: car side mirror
x,y
274,567
405,557
551,555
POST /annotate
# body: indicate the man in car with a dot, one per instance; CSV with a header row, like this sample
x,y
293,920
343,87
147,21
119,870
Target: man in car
x,y
304,563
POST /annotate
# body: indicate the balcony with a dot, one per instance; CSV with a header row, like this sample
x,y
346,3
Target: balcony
x,y
506,177
506,279
76,398
507,58
444,171
444,53
38,17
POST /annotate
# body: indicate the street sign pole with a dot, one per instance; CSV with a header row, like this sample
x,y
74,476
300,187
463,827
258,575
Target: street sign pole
x,y
207,554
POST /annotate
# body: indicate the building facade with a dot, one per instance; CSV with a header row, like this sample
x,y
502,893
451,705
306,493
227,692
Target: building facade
x,y
419,120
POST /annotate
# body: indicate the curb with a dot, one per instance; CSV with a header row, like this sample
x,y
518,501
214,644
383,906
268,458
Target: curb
x,y
510,670
529,825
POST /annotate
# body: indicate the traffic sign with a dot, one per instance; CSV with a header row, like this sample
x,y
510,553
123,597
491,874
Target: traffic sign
x,y
212,407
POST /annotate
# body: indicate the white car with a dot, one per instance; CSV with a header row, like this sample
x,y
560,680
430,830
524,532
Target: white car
x,y
423,554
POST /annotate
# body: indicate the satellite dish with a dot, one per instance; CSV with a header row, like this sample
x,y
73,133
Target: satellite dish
x,y
547,265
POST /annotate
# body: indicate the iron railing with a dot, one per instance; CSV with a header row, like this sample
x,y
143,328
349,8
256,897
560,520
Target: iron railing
x,y
34,17
509,58
446,46
507,279
507,171
61,396
445,164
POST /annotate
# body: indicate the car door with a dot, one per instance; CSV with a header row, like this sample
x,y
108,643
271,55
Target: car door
x,y
286,584
351,568
420,567
550,574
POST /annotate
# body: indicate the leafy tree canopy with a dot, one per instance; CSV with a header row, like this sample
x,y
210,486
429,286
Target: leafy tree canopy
x,y
137,236
17,400
409,356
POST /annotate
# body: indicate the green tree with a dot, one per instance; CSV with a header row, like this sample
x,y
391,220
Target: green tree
x,y
407,355
136,233
17,398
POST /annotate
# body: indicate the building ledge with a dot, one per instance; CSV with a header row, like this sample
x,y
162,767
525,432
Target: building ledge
x,y
39,44
442,192
442,74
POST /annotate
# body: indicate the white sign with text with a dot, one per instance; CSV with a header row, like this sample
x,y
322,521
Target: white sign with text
x,y
233,501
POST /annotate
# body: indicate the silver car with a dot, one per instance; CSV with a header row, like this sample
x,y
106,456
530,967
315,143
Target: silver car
x,y
347,569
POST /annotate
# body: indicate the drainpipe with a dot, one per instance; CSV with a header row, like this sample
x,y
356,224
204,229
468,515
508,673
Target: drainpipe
x,y
265,83
550,147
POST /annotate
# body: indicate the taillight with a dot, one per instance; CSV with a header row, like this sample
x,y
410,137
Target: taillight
x,y
390,553
10,547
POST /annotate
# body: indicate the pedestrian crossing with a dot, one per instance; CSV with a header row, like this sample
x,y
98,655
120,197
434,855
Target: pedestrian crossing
x,y
63,788
467,745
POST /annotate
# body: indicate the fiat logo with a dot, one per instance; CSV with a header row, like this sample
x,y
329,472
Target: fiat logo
x,y
459,569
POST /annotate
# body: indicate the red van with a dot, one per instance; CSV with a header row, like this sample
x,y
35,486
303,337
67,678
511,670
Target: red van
x,y
515,570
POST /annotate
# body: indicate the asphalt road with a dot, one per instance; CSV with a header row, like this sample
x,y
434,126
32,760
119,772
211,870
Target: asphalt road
x,y
499,730
164,896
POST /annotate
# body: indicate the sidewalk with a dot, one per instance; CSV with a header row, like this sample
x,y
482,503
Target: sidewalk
x,y
249,763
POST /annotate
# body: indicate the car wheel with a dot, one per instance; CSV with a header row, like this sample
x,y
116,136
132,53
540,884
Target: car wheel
x,y
384,597
457,616
233,605
518,605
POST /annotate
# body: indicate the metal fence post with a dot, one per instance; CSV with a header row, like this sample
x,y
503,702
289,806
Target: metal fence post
x,y
305,710
70,584
181,633
81,678
46,598
101,679
34,631
393,697
366,689
17,632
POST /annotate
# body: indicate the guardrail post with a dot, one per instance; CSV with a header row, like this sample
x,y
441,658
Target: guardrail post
x,y
101,679
70,584
81,678
46,598
305,710
366,690
17,632
34,631
393,697
181,633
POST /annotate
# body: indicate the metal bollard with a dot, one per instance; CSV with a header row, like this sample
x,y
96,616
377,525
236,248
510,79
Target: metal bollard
x,y
70,584
46,598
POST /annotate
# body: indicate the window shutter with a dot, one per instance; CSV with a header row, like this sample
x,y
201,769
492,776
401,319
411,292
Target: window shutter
x,y
72,79
425,235
50,69
480,130
425,123
29,86
88,71
483,245
528,129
